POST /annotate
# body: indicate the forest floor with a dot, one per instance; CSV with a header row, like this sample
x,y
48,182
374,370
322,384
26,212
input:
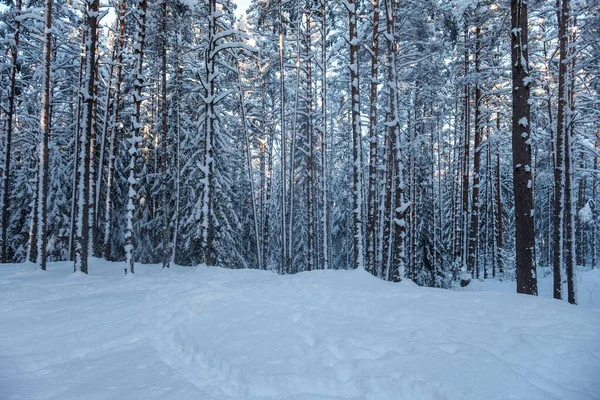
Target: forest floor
x,y
212,333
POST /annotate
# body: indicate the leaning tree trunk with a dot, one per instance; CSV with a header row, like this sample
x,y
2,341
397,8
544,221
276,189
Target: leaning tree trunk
x,y
248,152
521,149
87,95
106,135
115,134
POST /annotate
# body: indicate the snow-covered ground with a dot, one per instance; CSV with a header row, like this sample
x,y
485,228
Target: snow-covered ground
x,y
212,333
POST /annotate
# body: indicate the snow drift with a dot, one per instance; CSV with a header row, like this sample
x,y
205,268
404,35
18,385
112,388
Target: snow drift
x,y
211,333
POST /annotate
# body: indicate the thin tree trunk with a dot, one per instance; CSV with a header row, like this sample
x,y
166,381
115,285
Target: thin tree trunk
x,y
373,170
561,132
42,201
166,234
135,131
106,130
292,174
594,205
77,134
6,171
472,266
499,210
83,184
115,134
284,253
465,162
324,168
310,209
357,203
249,166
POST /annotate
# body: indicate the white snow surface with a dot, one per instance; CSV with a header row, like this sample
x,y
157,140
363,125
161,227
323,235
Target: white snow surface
x,y
213,333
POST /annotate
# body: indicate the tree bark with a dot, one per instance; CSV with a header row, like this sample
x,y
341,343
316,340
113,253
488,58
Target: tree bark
x,y
87,95
42,201
138,54
472,266
6,171
357,203
521,149
370,256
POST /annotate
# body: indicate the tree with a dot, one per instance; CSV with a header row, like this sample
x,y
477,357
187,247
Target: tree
x,y
357,192
85,134
521,149
42,200
6,171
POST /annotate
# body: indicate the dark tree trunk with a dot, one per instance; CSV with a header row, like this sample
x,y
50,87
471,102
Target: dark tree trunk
x,y
521,148
8,140
499,211
370,258
83,185
115,135
166,234
42,202
472,266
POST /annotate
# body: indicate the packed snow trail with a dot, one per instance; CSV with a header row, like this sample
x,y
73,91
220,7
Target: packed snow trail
x,y
212,333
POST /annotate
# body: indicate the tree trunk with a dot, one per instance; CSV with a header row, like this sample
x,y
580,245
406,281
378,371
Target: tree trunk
x,y
166,234
6,171
357,203
310,209
373,170
561,136
138,54
465,162
115,134
499,210
472,266
83,184
284,252
521,149
324,170
42,201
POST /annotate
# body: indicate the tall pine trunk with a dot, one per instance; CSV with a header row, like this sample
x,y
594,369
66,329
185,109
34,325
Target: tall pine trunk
x,y
324,168
42,201
472,259
284,251
87,99
370,236
357,193
521,149
115,134
166,232
6,171
138,85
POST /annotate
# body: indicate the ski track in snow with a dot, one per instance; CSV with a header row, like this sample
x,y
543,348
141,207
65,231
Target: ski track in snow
x,y
212,333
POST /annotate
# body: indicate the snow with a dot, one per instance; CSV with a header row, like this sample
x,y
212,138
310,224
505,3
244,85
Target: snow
x,y
212,333
586,213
